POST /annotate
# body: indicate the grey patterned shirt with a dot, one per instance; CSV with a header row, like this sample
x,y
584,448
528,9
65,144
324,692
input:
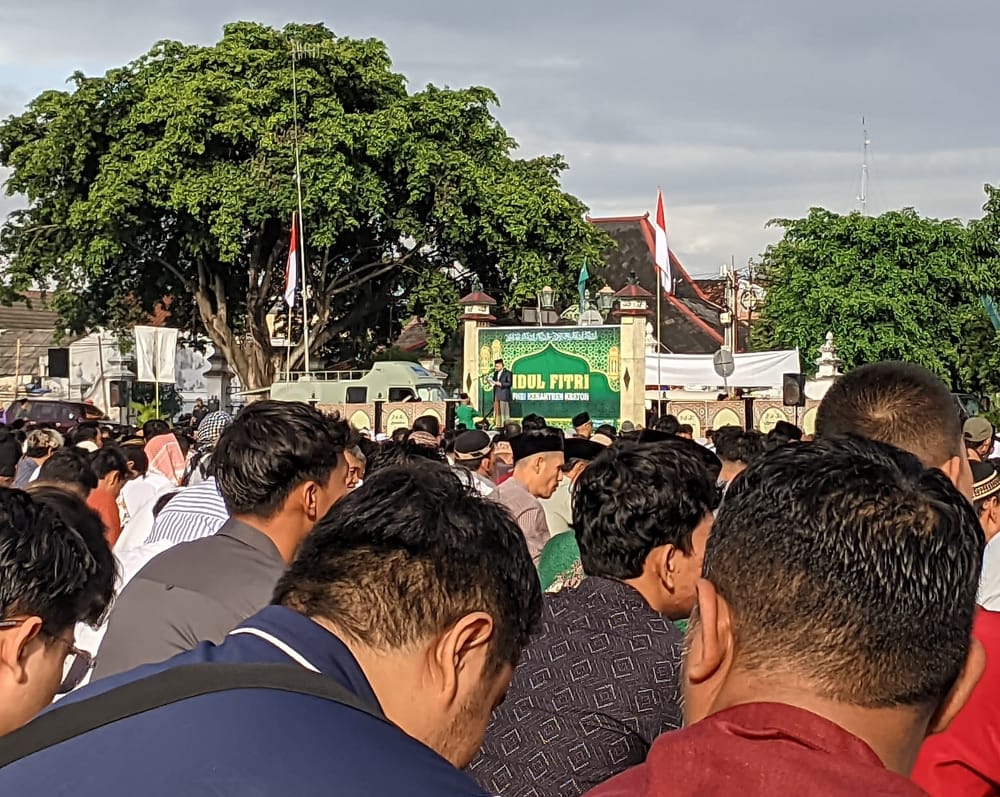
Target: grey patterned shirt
x,y
595,687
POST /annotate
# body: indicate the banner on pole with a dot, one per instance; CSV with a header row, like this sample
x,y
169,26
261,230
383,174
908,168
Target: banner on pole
x,y
156,354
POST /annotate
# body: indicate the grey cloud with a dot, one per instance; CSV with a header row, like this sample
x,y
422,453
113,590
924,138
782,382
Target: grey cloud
x,y
741,111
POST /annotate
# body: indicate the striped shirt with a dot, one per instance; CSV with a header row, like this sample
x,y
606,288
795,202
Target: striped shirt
x,y
193,513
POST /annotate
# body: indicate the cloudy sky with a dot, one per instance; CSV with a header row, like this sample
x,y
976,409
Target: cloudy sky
x,y
741,111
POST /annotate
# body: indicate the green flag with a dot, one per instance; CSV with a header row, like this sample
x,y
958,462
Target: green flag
x,y
581,286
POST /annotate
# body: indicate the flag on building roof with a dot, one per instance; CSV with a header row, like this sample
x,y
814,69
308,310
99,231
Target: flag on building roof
x,y
662,253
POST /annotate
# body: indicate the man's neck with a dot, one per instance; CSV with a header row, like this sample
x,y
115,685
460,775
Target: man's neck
x,y
895,735
277,529
520,479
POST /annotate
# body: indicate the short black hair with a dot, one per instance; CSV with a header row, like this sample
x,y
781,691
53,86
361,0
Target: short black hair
x,y
733,444
391,455
69,466
400,435
608,430
685,428
154,428
85,432
668,424
511,429
639,496
388,567
109,459
137,458
271,448
850,564
54,560
533,423
428,424
898,403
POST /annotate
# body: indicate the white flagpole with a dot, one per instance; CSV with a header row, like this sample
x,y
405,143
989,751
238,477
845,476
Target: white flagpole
x,y
298,188
659,344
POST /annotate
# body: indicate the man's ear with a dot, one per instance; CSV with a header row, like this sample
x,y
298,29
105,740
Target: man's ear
x,y
711,637
972,671
13,645
458,656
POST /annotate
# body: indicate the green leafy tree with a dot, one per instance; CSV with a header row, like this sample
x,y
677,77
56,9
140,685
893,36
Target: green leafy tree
x,y
174,176
889,287
145,405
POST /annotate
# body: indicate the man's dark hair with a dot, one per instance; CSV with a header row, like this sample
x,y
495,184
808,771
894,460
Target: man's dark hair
x,y
154,428
533,423
391,455
184,441
733,444
109,459
85,433
849,564
685,428
607,430
463,396
399,435
69,466
270,449
902,404
782,434
54,560
511,429
388,567
639,496
428,424
137,459
668,424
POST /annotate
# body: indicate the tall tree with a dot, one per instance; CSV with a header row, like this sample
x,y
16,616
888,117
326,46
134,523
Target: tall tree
x,y
174,176
895,286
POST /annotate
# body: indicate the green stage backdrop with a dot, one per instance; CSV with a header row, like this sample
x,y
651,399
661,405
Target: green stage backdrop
x,y
557,371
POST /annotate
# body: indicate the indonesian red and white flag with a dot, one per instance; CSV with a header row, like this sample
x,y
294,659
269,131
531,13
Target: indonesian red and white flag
x,y
662,254
292,267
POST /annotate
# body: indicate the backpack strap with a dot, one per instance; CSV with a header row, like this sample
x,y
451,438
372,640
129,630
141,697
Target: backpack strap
x,y
170,686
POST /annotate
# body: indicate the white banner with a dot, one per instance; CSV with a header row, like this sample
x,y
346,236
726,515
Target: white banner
x,y
155,354
753,370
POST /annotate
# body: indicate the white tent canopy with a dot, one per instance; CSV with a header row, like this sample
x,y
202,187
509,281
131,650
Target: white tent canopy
x,y
754,370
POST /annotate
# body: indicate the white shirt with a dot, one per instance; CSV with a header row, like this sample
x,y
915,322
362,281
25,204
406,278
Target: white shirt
x,y
142,491
989,581
559,508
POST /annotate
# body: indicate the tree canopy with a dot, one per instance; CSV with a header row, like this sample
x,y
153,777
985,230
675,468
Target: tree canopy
x,y
173,177
891,287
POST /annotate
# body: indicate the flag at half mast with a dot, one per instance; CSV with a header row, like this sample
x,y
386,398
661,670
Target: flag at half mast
x,y
662,251
292,266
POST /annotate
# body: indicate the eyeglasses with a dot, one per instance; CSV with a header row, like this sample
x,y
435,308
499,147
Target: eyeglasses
x,y
81,662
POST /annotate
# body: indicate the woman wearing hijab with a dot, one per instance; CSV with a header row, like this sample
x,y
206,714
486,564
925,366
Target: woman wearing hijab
x,y
209,431
166,458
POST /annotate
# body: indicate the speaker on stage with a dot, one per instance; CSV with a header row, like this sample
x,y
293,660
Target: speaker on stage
x,y
59,363
793,390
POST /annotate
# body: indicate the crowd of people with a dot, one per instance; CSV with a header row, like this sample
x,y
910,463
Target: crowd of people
x,y
276,604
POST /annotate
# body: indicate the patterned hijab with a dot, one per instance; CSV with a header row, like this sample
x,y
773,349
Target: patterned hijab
x,y
166,458
211,428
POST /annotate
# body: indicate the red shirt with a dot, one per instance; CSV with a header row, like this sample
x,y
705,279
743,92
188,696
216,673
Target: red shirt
x,y
760,750
964,761
105,505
